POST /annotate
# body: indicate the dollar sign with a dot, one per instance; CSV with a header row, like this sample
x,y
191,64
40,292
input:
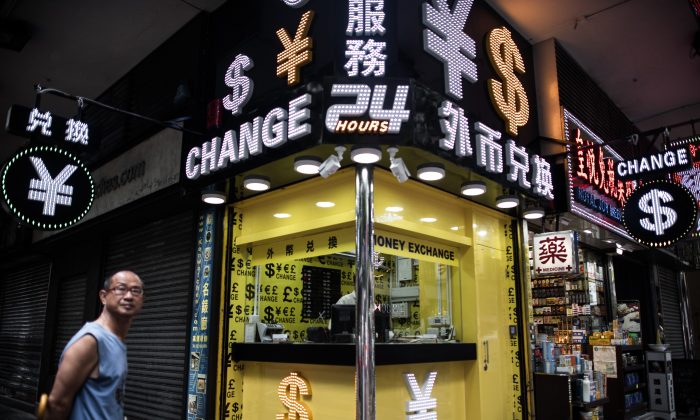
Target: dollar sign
x,y
242,86
290,391
651,203
506,59
269,314
269,270
249,291
238,309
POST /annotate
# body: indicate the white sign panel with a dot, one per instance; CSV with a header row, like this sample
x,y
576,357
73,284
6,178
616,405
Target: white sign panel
x,y
555,253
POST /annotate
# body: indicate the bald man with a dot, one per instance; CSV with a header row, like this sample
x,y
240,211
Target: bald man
x,y
92,372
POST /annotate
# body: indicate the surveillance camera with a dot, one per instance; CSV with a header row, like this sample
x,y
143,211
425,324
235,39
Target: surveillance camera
x,y
329,166
398,168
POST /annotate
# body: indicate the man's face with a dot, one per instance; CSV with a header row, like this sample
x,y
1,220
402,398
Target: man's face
x,y
122,298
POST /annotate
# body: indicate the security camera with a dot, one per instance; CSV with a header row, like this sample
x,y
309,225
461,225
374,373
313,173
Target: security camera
x,y
329,166
399,169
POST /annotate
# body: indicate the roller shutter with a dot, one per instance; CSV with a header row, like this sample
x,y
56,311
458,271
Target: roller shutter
x,y
70,314
161,253
23,294
671,312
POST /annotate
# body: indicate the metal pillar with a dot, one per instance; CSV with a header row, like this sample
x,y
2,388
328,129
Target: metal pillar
x,y
364,290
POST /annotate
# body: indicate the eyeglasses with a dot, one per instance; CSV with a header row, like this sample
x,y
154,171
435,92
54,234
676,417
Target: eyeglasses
x,y
121,290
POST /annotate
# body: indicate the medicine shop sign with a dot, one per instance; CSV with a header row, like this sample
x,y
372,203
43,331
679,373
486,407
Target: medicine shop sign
x,y
555,253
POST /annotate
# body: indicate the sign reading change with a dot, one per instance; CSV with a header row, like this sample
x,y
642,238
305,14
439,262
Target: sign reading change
x,y
659,213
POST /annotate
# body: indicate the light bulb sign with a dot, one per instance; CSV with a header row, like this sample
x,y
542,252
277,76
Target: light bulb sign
x,y
660,213
44,127
358,72
47,188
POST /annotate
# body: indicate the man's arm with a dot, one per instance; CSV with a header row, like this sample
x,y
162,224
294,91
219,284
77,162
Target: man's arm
x,y
79,361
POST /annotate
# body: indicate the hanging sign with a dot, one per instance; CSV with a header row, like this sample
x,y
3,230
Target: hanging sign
x,y
555,253
660,213
45,127
47,188
690,178
671,160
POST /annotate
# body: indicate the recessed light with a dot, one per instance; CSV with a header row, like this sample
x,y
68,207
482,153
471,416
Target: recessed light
x,y
214,197
588,231
428,219
507,201
365,154
431,171
454,228
282,215
533,213
325,204
473,188
394,209
481,233
308,165
256,183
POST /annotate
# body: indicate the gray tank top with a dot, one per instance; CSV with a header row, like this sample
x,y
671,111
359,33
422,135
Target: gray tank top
x,y
102,398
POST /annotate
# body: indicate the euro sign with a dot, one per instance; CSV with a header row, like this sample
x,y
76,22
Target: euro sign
x,y
509,97
242,86
290,391
662,217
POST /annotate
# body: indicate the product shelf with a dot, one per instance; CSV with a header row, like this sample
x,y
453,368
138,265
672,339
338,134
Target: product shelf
x,y
635,387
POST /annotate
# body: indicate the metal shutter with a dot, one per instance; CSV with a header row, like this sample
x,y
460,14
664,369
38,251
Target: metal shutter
x,y
70,314
671,312
161,253
23,294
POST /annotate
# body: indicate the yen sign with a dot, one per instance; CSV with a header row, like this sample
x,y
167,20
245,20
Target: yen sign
x,y
660,213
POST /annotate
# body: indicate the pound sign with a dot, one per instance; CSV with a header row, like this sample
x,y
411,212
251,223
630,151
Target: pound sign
x,y
290,391
651,203
242,85
506,59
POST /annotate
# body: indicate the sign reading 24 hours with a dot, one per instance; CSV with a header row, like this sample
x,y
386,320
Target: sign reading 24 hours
x,y
660,213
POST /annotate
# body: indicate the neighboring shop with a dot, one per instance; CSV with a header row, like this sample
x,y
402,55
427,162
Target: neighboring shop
x,y
320,83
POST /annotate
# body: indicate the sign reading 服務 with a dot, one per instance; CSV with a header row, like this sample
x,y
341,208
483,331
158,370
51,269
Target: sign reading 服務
x,y
555,253
660,213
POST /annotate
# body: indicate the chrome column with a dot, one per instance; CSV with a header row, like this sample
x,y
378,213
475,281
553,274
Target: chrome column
x,y
364,290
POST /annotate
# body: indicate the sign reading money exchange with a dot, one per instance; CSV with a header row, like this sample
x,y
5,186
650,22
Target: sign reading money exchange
x,y
451,78
660,213
47,188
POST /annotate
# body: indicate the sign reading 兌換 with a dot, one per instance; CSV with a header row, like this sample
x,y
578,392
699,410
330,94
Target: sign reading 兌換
x,y
555,253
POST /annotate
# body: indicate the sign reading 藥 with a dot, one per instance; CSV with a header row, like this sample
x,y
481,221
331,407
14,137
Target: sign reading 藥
x,y
555,253
660,213
47,188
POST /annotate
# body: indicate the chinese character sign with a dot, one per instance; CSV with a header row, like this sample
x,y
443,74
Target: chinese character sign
x,y
555,253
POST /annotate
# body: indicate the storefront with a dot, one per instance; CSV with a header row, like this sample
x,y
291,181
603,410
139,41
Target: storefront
x,y
434,263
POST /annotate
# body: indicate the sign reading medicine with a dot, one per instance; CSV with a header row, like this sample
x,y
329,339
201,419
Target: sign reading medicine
x,y
47,188
660,213
555,253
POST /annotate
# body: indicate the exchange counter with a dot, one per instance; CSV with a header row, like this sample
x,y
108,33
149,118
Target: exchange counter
x,y
318,380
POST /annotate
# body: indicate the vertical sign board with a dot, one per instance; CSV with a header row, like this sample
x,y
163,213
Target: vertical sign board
x,y
690,178
512,320
594,191
555,253
197,407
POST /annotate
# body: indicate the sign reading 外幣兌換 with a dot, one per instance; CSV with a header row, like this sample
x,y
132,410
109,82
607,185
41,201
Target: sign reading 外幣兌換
x,y
47,188
660,213
555,253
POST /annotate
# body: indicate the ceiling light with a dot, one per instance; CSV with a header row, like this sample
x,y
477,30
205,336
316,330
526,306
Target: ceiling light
x,y
214,197
332,164
588,231
473,188
308,165
256,183
610,241
428,219
507,201
431,171
533,213
365,154
482,233
398,167
325,204
394,209
454,228
282,215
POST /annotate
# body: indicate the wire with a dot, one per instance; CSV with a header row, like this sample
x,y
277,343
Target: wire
x,y
192,5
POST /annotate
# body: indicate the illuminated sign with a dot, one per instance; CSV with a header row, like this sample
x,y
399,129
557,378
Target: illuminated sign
x,y
47,188
671,160
44,126
382,120
290,392
421,406
242,86
297,50
555,253
595,192
660,213
278,126
365,18
690,178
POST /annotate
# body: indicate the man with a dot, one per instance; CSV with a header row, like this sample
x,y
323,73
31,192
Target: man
x,y
92,373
